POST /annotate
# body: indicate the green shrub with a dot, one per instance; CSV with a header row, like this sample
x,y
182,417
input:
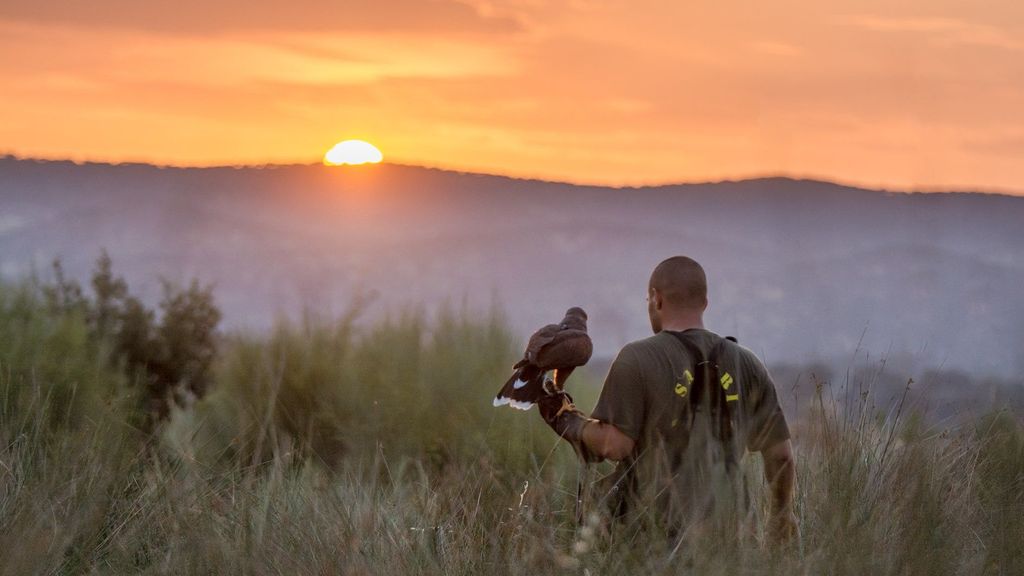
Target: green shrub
x,y
54,377
168,359
66,445
345,447
404,386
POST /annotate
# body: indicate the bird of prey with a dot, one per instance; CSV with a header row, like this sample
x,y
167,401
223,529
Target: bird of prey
x,y
560,347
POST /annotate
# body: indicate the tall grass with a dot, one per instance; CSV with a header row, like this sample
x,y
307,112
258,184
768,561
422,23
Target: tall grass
x,y
405,387
331,447
66,444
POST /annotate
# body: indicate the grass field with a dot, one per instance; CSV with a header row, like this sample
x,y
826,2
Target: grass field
x,y
331,447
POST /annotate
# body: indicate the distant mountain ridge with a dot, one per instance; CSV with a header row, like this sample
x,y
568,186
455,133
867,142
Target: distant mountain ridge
x,y
799,269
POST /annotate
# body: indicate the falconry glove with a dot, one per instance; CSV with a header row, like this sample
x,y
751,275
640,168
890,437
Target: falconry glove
x,y
566,420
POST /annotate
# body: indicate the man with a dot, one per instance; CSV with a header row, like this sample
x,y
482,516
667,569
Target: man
x,y
674,461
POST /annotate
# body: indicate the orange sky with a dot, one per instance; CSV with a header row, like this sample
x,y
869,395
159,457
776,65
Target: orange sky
x,y
926,94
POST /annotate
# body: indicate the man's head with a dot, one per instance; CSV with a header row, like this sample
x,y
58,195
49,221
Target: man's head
x,y
677,293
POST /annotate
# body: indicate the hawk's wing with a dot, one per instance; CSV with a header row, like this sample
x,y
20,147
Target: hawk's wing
x,y
567,349
538,341
550,348
523,389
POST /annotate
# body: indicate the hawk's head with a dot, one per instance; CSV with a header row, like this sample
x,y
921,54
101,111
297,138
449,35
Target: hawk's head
x,y
575,318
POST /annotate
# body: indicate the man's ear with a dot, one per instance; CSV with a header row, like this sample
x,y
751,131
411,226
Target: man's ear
x,y
656,298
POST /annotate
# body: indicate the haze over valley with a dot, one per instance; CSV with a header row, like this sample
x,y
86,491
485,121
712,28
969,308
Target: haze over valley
x,y
801,271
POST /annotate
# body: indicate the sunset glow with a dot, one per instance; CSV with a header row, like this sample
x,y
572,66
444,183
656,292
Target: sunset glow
x,y
352,152
923,94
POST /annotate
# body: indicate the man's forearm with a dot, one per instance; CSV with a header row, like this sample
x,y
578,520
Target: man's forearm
x,y
781,477
593,440
780,473
568,422
606,441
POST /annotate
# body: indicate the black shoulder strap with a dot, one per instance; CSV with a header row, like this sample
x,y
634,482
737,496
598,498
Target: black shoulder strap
x,y
708,393
706,366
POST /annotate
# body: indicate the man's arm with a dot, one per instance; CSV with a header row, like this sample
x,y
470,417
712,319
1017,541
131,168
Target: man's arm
x,y
620,413
606,442
593,440
769,434
780,473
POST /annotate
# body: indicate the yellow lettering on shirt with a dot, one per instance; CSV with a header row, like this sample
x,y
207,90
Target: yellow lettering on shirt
x,y
726,380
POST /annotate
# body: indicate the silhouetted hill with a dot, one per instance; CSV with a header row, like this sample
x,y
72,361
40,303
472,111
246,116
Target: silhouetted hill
x,y
800,270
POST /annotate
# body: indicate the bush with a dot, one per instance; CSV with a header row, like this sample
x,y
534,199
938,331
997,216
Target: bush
x,y
65,446
342,447
55,377
404,386
169,359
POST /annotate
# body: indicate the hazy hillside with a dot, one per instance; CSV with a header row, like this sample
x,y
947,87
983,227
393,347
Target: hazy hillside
x,y
799,270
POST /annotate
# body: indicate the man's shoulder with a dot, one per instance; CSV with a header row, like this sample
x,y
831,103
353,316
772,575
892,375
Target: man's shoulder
x,y
651,344
666,342
749,365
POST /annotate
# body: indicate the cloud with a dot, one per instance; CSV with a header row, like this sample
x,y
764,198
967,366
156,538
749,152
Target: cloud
x,y
776,48
67,58
1009,145
951,30
530,87
205,17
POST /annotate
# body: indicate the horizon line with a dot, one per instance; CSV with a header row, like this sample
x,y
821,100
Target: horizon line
x,y
880,188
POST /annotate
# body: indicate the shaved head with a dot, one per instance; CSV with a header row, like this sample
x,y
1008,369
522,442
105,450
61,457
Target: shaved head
x,y
681,283
677,294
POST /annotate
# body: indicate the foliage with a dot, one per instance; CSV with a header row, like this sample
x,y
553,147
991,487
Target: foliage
x,y
340,447
55,380
184,345
170,359
404,386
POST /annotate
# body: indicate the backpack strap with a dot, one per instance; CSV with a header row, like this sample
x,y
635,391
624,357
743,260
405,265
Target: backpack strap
x,y
708,393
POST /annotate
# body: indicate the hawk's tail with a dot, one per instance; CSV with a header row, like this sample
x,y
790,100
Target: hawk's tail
x,y
523,389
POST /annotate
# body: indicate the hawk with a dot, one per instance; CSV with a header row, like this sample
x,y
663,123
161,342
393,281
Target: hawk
x,y
560,347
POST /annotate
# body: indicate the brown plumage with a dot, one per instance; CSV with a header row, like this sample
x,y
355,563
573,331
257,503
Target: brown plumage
x,y
560,347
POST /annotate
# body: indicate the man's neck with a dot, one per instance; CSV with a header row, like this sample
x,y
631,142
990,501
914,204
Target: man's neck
x,y
682,323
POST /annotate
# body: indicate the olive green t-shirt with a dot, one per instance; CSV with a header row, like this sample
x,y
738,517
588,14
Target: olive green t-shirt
x,y
645,396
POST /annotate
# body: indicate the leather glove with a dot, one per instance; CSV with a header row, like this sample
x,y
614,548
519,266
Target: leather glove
x,y
566,420
552,406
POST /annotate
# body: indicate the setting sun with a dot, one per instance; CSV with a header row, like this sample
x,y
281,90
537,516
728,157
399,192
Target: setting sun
x,y
352,152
